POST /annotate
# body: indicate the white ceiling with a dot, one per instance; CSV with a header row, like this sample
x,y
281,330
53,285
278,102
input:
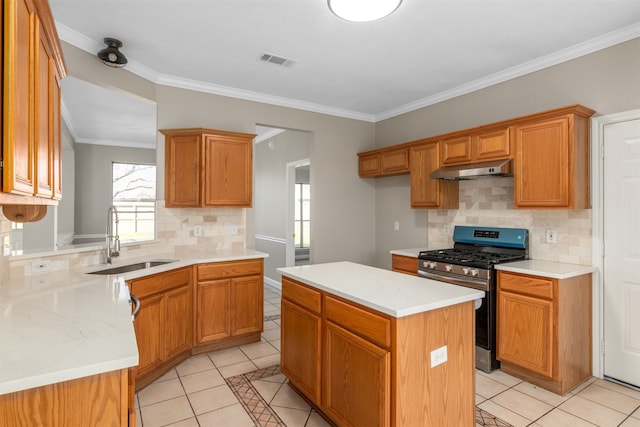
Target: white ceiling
x,y
425,52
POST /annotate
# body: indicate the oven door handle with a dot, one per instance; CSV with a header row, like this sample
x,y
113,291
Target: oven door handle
x,y
469,283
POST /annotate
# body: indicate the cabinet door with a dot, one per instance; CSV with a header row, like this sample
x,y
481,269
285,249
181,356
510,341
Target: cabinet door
x,y
525,332
227,171
213,318
369,165
56,136
300,349
178,333
247,304
427,192
543,169
456,150
18,143
43,114
357,380
493,145
182,170
149,326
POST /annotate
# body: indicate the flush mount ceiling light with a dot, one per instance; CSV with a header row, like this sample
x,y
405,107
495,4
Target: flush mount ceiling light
x,y
363,10
110,55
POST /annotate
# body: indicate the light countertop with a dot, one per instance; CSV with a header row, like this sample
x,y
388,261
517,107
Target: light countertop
x,y
551,269
64,325
395,294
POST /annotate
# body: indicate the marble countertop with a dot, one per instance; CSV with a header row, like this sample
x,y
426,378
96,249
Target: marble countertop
x,y
395,294
551,269
64,325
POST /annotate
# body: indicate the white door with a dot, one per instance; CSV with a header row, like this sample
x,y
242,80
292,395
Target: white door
x,y
621,266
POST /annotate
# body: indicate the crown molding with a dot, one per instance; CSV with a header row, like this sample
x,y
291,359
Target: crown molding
x,y
610,39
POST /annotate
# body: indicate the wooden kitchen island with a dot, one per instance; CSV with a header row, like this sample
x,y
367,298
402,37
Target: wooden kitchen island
x,y
371,347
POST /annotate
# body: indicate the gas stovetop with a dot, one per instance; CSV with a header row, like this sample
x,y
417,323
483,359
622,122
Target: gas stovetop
x,y
482,247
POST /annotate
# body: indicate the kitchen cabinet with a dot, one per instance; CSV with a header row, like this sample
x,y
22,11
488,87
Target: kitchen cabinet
x,y
404,264
164,325
300,347
32,66
426,192
72,403
229,303
384,162
488,144
552,161
362,367
544,329
207,167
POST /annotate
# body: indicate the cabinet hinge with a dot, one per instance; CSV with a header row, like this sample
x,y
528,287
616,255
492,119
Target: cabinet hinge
x,y
1,163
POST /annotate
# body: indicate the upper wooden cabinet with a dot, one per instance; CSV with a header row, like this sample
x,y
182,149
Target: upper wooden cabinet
x,y
476,147
384,162
32,66
427,192
552,161
207,167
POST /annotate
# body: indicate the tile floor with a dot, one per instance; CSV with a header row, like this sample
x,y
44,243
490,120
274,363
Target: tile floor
x,y
243,386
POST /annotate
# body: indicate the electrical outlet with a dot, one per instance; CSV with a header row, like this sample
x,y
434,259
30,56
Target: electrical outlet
x,y
396,225
40,266
438,356
197,230
552,235
446,228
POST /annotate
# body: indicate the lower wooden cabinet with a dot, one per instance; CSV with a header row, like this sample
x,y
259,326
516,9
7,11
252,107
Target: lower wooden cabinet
x,y
544,329
96,400
404,264
361,367
229,301
164,325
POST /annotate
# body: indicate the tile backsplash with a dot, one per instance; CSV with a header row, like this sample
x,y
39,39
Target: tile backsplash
x,y
489,202
221,228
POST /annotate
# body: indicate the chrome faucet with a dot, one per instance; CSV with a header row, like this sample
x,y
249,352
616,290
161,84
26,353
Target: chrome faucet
x,y
112,248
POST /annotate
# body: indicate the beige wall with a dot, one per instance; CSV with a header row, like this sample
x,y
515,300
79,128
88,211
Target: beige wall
x,y
607,81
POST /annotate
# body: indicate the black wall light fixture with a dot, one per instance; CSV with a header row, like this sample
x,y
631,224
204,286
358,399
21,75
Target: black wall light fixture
x,y
110,55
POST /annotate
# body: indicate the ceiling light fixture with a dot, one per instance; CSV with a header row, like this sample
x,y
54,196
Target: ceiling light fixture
x,y
110,55
363,10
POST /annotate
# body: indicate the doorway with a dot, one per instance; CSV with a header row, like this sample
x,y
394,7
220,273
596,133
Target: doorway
x,y
298,250
618,228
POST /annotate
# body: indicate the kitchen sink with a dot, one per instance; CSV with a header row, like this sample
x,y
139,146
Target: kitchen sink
x,y
132,267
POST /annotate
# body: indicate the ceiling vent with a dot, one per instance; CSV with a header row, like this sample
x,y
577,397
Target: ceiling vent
x,y
278,60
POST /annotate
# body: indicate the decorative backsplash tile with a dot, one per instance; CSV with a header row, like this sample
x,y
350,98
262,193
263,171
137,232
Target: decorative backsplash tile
x,y
489,202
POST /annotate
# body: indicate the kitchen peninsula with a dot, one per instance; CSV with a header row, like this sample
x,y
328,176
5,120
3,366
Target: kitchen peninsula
x,y
378,348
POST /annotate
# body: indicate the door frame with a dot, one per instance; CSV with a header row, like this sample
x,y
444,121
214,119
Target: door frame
x,y
290,251
597,225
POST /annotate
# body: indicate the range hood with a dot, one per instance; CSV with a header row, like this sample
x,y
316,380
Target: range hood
x,y
474,170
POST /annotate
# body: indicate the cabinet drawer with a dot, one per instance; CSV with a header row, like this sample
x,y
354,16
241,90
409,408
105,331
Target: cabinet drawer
x,y
365,323
160,282
301,295
527,285
404,264
221,270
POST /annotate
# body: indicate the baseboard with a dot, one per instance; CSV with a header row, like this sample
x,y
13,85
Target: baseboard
x,y
271,282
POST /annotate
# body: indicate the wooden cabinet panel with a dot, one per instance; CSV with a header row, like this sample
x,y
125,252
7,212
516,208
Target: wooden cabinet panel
x,y
100,399
384,162
527,285
182,166
302,295
214,311
357,379
427,192
149,327
300,352
222,270
361,322
404,264
456,150
208,167
43,104
178,336
247,304
493,145
543,167
526,332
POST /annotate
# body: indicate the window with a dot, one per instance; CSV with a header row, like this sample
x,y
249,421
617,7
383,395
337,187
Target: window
x,y
134,196
302,221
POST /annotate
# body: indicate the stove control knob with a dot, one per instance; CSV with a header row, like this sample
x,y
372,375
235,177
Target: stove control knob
x,y
432,265
448,267
474,272
465,270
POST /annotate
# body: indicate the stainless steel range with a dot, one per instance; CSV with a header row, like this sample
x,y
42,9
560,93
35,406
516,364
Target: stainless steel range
x,y
471,263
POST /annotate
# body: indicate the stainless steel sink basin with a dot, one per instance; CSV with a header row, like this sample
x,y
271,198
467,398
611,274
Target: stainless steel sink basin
x,y
132,267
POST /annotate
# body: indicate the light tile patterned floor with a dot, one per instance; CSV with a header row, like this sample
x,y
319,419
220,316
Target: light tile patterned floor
x,y
243,386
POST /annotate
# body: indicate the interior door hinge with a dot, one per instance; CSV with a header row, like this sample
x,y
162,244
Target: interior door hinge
x,y
602,347
602,151
602,249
